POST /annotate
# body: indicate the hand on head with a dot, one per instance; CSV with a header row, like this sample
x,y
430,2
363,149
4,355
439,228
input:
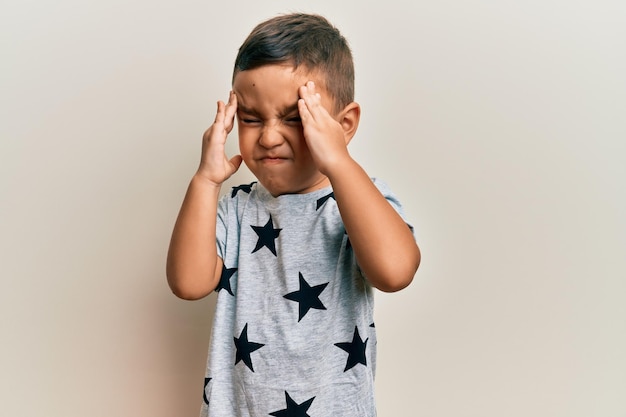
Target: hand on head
x,y
324,134
215,166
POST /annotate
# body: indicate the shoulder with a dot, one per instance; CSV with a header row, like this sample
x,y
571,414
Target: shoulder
x,y
237,193
384,188
390,196
235,197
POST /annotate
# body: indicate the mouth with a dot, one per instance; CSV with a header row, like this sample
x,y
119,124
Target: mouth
x,y
271,159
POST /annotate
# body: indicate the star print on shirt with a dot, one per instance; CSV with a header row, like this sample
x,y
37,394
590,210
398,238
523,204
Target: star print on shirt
x,y
206,384
307,297
348,244
294,409
355,350
321,201
224,283
245,348
246,188
267,236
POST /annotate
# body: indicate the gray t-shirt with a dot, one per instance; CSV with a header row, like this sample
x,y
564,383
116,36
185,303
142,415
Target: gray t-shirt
x,y
293,333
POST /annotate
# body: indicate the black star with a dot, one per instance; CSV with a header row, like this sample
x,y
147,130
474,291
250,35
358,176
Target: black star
x,y
307,296
206,383
246,188
245,348
321,201
355,349
225,280
294,409
348,244
267,236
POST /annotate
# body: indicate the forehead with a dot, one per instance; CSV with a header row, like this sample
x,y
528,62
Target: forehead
x,y
274,87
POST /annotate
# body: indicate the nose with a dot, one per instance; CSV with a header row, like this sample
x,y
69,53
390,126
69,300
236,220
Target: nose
x,y
271,137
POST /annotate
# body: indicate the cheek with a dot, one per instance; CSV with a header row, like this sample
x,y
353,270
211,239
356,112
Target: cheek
x,y
295,137
300,146
246,142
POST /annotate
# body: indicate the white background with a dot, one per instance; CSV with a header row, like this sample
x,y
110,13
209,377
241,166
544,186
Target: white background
x,y
500,124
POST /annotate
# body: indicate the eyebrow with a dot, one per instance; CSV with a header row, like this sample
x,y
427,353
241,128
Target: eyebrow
x,y
244,109
288,110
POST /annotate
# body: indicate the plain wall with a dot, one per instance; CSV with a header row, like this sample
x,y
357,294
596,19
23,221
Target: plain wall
x,y
499,124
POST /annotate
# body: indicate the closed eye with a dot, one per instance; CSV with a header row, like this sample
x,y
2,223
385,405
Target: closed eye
x,y
249,120
295,119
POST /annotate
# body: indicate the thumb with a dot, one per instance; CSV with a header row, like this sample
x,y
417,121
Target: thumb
x,y
235,161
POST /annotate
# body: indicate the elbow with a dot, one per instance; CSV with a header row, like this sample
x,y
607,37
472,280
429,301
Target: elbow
x,y
187,294
398,276
186,291
394,284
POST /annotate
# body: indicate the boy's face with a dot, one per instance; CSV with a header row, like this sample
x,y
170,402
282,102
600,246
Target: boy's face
x,y
271,139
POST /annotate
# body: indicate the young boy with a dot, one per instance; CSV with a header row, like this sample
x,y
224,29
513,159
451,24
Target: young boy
x,y
295,255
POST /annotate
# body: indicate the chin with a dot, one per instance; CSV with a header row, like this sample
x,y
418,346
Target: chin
x,y
275,188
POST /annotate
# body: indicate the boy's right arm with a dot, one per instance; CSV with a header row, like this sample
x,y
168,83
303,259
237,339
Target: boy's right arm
x,y
193,267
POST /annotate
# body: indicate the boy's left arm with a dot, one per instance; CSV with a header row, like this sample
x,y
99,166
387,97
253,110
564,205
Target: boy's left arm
x,y
382,242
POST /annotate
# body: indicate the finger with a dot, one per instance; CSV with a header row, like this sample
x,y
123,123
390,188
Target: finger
x,y
311,89
305,114
230,111
307,90
231,105
312,99
219,115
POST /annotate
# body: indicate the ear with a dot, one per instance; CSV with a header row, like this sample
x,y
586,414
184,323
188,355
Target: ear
x,y
349,120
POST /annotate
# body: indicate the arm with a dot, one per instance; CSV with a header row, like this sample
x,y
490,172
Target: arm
x,y
193,267
382,242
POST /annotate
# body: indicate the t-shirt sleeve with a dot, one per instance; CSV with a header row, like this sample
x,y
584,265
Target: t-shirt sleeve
x,y
221,225
393,200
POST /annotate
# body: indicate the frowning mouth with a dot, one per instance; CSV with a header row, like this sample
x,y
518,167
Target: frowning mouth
x,y
271,159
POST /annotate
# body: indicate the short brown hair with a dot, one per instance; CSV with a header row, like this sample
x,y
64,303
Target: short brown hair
x,y
302,39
